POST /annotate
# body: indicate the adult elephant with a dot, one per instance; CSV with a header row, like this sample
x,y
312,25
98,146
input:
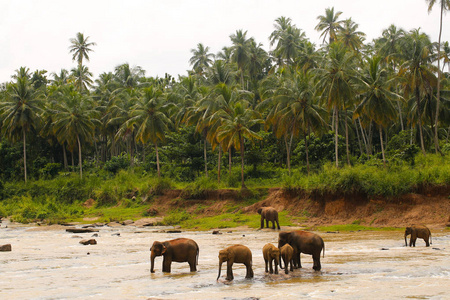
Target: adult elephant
x,y
418,231
269,214
303,242
235,254
177,250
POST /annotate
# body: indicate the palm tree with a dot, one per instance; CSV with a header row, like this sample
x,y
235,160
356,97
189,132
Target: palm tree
x,y
376,96
241,51
20,112
334,84
445,5
329,25
82,78
201,59
75,120
417,71
80,47
236,126
149,118
350,36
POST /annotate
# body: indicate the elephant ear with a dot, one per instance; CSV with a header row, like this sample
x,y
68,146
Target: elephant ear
x,y
163,250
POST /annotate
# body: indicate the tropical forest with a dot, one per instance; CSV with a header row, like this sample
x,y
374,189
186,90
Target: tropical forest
x,y
363,120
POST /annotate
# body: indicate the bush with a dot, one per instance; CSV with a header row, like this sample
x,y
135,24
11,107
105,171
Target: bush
x,y
117,163
50,170
199,188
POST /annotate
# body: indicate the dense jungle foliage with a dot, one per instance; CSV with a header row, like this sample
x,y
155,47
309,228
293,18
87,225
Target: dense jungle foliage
x,y
351,114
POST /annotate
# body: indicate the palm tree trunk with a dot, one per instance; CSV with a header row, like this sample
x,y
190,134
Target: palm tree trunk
x,y
307,152
438,93
288,156
64,155
346,138
358,137
157,160
219,160
363,134
419,122
241,140
204,153
24,154
79,157
382,147
229,161
336,138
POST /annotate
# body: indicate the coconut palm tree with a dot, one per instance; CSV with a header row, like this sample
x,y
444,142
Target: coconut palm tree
x,y
82,78
80,47
445,5
149,118
329,25
75,120
241,51
21,111
377,99
236,127
201,59
350,36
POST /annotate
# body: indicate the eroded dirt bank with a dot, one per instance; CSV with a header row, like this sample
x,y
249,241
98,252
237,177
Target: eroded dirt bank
x,y
430,207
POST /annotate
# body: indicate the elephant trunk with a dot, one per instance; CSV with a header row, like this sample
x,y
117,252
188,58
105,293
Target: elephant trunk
x,y
152,262
220,269
406,242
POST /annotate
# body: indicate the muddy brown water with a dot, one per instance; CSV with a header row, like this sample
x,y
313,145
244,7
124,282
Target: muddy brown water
x,y
51,264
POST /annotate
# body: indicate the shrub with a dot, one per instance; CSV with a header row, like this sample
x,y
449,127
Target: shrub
x,y
117,163
199,188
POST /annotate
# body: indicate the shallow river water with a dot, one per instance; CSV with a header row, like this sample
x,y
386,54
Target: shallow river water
x,y
51,264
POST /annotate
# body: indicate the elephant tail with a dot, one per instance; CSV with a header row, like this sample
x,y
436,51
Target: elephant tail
x,y
198,251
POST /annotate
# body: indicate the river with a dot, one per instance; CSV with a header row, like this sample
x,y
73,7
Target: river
x,y
52,264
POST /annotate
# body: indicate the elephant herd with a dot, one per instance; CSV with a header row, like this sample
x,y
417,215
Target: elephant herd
x,y
290,245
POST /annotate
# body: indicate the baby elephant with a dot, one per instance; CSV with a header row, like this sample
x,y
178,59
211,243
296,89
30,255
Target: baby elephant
x,y
271,253
269,214
287,253
235,254
178,250
418,231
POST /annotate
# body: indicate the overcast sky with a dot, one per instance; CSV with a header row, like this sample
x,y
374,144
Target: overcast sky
x,y
158,35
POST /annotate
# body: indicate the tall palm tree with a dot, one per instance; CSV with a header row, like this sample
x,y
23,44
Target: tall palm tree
x,y
75,120
445,5
149,118
335,84
80,47
21,111
417,71
376,96
241,51
350,36
82,78
329,25
201,59
236,127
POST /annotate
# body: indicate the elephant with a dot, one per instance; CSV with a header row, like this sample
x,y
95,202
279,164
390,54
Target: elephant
x,y
236,254
271,253
287,254
303,242
269,214
418,231
177,250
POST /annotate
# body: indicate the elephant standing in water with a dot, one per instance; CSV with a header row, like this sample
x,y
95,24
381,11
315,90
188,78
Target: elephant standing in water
x,y
271,254
418,231
177,250
236,254
303,242
287,254
269,214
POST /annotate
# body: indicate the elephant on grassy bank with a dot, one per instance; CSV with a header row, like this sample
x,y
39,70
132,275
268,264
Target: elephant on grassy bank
x,y
303,242
271,255
235,254
287,254
177,250
269,214
418,231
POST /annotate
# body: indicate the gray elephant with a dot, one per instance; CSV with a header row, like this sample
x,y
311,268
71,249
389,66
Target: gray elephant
x,y
235,254
269,214
303,242
177,250
418,231
271,254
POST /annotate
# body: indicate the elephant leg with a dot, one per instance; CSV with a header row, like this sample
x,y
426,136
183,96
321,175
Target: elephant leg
x,y
278,223
229,271
291,262
267,263
426,239
273,224
276,266
193,265
166,264
267,223
316,264
270,266
286,265
262,222
249,270
299,261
